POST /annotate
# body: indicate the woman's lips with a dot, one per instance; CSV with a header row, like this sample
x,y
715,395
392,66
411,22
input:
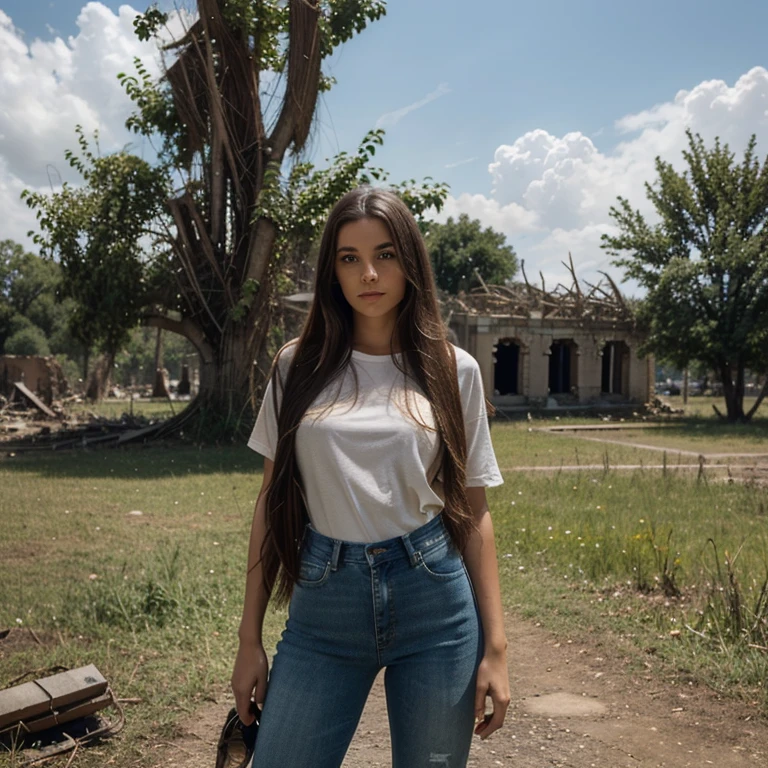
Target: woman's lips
x,y
370,296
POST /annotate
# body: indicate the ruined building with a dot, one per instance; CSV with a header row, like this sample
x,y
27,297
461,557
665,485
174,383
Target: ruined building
x,y
570,347
42,375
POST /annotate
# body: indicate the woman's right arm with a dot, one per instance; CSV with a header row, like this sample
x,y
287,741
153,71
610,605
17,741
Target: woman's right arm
x,y
249,677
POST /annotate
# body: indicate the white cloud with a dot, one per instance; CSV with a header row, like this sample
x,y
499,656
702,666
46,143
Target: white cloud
x,y
391,119
565,186
18,219
511,219
48,87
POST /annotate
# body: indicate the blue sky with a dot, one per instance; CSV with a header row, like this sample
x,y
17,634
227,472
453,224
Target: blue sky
x,y
536,114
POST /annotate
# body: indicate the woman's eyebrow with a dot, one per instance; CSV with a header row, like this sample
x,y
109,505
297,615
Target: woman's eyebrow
x,y
352,249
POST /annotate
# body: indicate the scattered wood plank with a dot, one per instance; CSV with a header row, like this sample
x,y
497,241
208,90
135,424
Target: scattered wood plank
x,y
34,399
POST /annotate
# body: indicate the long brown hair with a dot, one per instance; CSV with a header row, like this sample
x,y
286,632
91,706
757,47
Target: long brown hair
x,y
322,353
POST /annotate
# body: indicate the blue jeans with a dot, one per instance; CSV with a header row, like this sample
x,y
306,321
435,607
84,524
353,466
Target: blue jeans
x,y
405,604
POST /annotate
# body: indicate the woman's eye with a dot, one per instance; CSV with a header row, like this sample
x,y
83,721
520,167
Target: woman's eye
x,y
348,259
387,255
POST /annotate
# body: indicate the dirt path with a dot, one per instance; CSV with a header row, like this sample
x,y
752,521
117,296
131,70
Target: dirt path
x,y
573,706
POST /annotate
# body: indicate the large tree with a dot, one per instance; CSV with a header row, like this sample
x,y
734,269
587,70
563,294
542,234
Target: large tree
x,y
704,264
234,112
461,250
96,233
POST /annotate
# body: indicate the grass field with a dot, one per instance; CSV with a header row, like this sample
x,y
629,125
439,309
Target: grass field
x,y
669,561
696,437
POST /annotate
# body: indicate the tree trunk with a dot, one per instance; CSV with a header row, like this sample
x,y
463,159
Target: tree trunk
x,y
225,406
160,386
733,391
225,402
98,382
86,363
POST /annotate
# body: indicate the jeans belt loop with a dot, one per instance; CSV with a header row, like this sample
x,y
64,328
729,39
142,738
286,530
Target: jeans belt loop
x,y
335,555
413,555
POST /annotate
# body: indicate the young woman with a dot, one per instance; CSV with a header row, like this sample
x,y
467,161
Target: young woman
x,y
372,518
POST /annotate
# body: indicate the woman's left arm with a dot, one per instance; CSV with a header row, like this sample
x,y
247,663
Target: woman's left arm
x,y
483,569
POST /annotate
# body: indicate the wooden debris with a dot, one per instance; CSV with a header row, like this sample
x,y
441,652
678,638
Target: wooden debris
x,y
579,301
22,388
99,432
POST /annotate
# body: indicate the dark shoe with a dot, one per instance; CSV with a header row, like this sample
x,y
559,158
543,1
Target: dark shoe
x,y
237,741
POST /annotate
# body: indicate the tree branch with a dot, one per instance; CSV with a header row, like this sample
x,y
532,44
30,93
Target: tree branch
x,y
184,327
760,397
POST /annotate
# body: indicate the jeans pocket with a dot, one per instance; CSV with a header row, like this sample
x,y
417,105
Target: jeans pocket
x,y
313,573
442,563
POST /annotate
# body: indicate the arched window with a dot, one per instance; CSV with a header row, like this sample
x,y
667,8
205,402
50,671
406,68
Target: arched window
x,y
562,367
506,367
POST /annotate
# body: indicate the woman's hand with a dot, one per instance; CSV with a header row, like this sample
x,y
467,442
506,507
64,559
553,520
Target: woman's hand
x,y
249,678
493,681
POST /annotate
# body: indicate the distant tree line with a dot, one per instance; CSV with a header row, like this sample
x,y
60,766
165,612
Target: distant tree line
x,y
36,319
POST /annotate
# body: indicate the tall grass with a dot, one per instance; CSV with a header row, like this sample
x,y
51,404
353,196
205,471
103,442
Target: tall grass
x,y
687,557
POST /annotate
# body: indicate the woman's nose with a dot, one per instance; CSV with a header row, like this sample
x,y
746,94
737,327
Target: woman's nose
x,y
369,273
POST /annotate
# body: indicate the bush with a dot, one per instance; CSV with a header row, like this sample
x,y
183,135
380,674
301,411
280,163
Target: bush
x,y
27,341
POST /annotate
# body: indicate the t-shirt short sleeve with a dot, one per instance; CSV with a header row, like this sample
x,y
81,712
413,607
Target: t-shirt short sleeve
x,y
482,468
263,438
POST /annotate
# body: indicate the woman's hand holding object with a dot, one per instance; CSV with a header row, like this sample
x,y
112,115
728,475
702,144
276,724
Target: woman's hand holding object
x,y
493,681
249,678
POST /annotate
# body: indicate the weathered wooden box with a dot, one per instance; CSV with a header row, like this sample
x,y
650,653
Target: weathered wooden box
x,y
53,700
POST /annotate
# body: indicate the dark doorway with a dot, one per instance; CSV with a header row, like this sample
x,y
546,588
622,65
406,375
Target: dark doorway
x,y
506,371
615,354
560,365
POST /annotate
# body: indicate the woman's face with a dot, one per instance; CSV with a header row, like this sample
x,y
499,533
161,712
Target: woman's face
x,y
368,268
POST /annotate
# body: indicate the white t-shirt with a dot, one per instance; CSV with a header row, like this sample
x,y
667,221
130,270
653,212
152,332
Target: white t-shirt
x,y
368,467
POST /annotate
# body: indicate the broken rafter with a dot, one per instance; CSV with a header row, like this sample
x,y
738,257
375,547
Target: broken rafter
x,y
602,301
